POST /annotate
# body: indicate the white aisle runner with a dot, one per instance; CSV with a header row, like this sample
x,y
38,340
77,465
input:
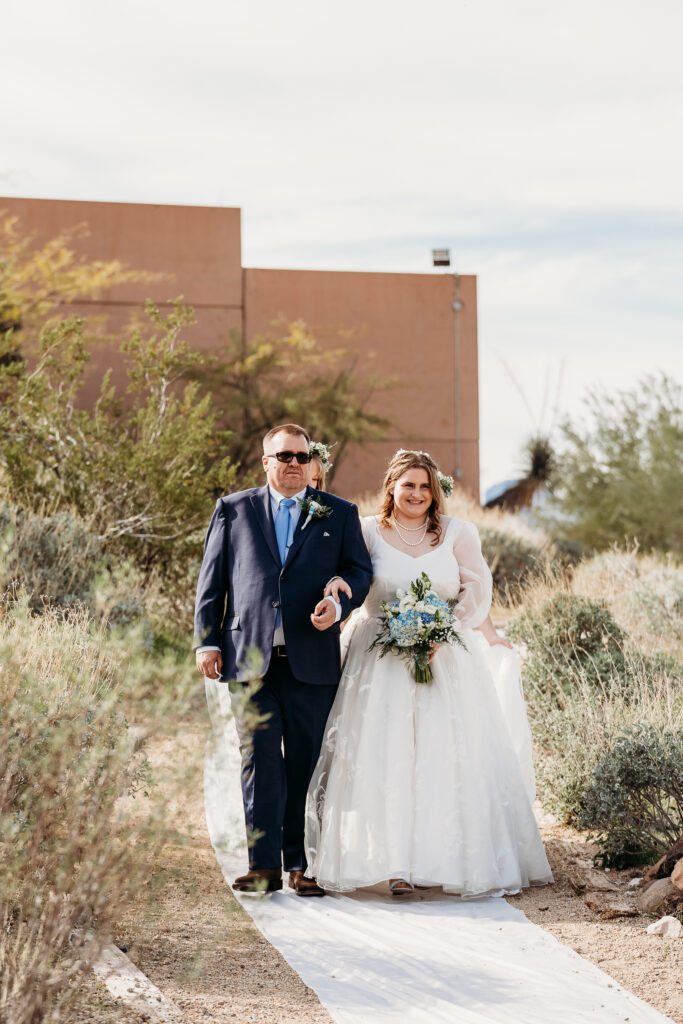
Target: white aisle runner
x,y
370,958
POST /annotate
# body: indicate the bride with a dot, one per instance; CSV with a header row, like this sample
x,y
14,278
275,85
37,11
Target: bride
x,y
418,784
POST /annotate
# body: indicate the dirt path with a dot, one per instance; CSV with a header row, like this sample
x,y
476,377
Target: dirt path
x,y
191,937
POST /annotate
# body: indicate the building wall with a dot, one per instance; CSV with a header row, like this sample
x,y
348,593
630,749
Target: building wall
x,y
401,325
405,326
196,251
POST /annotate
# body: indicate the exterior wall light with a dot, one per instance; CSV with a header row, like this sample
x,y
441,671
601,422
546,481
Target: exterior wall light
x,y
441,257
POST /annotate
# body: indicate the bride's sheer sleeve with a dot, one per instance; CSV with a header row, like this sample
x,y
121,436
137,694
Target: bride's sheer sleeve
x,y
368,525
476,584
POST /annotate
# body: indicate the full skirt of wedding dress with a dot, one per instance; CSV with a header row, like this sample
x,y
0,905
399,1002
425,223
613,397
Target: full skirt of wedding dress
x,y
422,781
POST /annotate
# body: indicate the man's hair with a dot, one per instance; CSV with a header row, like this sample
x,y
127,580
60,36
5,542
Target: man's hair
x,y
285,428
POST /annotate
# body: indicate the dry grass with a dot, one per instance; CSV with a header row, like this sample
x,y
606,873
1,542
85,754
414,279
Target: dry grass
x,y
73,853
644,592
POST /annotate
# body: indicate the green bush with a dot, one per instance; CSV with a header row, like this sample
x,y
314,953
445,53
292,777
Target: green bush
x,y
52,558
569,637
512,560
573,734
633,801
144,470
57,561
620,471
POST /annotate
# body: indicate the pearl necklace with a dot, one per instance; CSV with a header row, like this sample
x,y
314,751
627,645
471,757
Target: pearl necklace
x,y
411,529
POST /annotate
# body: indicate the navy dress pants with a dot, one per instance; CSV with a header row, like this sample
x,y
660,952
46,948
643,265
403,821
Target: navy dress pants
x,y
278,759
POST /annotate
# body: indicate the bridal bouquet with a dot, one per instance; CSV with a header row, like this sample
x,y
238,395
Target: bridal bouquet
x,y
413,622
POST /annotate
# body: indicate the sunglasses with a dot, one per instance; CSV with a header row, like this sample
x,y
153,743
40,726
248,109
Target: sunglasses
x,y
303,458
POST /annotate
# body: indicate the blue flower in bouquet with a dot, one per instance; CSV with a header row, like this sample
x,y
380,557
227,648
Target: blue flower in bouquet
x,y
404,627
414,623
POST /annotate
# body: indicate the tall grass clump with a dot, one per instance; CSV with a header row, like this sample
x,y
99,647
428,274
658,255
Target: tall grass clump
x,y
75,843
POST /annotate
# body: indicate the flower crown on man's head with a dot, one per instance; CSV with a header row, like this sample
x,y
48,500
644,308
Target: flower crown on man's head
x,y
322,451
447,482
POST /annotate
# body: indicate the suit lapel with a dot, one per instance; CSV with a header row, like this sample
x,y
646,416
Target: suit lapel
x,y
299,534
264,514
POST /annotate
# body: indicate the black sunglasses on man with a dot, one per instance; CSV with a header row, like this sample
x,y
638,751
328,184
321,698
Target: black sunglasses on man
x,y
303,458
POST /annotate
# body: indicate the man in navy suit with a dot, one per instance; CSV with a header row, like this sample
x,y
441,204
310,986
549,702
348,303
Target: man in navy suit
x,y
266,564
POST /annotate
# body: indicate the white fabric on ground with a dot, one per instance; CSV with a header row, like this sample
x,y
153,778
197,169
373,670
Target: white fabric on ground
x,y
370,958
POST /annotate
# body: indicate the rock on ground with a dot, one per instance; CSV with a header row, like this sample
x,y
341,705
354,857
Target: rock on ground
x,y
650,900
671,927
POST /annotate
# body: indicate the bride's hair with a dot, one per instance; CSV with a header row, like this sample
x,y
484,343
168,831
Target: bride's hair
x,y
400,463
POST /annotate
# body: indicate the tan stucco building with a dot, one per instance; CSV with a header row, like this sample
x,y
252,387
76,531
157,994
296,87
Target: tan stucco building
x,y
421,328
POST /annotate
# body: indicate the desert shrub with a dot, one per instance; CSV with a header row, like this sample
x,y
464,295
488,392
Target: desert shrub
x,y
572,736
569,639
56,562
66,761
633,801
513,561
52,558
75,844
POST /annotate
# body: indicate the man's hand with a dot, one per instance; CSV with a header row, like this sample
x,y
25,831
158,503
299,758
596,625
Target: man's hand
x,y
336,587
210,663
324,615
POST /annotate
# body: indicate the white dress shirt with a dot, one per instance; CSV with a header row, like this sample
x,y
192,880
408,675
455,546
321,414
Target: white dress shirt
x,y
295,511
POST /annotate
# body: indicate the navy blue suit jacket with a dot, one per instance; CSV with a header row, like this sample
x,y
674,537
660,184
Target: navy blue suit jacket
x,y
242,583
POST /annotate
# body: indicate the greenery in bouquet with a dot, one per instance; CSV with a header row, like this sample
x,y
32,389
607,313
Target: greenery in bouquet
x,y
413,623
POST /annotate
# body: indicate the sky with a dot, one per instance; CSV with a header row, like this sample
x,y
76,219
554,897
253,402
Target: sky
x,y
541,142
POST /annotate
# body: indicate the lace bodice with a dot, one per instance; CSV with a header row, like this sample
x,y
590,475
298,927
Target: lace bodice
x,y
456,568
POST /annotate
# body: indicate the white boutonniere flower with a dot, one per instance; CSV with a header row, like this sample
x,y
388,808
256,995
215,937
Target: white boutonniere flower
x,y
313,510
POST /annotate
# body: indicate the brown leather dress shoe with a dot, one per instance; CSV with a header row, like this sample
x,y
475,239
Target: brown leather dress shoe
x,y
304,886
259,880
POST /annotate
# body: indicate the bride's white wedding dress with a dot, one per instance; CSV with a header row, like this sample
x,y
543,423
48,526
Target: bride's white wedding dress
x,y
422,781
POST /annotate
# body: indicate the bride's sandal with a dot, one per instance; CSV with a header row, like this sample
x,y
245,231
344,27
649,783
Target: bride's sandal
x,y
399,887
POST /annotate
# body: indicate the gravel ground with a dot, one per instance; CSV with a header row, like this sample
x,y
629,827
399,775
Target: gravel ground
x,y
193,940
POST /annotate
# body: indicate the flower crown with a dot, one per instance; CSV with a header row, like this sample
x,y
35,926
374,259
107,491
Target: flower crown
x,y
447,482
322,451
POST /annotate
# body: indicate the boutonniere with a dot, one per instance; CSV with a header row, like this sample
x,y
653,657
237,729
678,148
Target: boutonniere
x,y
313,510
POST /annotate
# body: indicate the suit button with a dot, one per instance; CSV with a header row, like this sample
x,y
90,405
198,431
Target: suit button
x,y
276,604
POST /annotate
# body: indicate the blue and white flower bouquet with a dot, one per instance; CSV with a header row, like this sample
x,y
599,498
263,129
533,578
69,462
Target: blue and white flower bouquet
x,y
411,624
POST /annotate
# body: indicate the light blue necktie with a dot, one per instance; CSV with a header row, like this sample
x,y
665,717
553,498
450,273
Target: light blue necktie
x,y
284,527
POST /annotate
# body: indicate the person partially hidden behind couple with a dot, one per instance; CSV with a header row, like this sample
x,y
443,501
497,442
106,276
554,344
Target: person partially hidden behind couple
x,y
363,776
